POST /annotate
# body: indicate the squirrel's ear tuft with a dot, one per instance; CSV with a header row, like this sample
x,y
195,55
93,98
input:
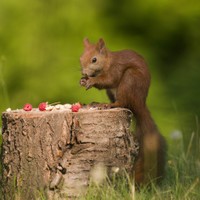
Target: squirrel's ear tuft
x,y
86,42
101,43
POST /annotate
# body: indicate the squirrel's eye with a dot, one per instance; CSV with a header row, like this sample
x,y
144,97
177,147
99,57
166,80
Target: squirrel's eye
x,y
94,60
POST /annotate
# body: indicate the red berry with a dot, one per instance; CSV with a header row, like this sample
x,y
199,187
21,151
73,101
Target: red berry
x,y
28,107
75,107
42,106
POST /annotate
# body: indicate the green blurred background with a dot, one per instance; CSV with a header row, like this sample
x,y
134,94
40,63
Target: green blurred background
x,y
41,41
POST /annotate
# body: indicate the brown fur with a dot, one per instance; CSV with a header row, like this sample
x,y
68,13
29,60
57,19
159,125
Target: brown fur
x,y
125,76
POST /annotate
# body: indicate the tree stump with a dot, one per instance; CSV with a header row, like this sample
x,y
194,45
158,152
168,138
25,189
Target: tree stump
x,y
53,152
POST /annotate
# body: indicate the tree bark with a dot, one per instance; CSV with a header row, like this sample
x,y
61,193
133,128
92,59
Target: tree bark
x,y
54,152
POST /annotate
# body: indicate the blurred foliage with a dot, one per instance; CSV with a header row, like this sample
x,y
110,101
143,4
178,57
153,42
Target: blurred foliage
x,y
41,41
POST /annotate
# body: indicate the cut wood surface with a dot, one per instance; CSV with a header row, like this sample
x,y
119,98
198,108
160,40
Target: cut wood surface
x,y
55,152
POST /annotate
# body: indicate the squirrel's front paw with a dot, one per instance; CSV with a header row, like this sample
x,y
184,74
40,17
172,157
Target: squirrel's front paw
x,y
83,81
86,82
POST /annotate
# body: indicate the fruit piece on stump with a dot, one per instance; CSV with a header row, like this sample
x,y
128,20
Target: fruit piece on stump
x,y
27,107
42,106
75,107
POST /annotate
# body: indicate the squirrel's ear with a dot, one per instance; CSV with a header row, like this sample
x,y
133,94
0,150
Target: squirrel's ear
x,y
86,42
101,45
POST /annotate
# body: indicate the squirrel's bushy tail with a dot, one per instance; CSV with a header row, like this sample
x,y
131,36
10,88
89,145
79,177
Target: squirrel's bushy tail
x,y
151,160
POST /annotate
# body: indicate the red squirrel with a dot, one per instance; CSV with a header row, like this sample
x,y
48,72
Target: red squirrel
x,y
126,78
